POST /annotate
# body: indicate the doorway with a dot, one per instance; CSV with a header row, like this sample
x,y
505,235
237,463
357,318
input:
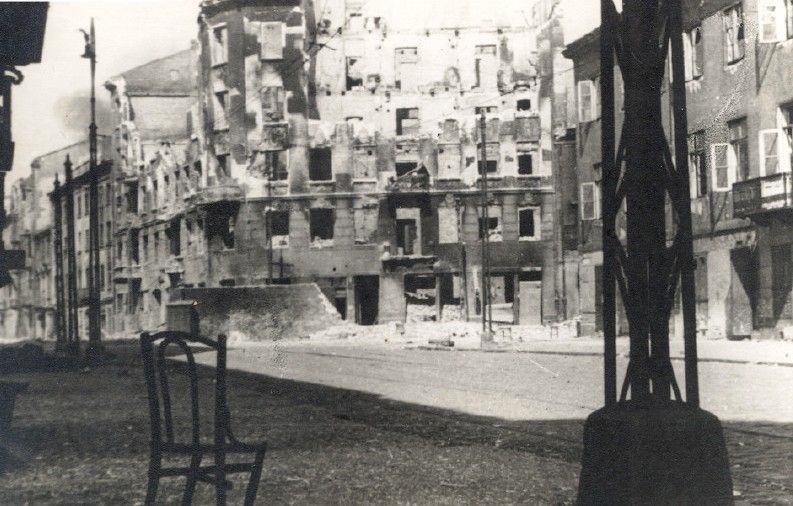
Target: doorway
x,y
367,295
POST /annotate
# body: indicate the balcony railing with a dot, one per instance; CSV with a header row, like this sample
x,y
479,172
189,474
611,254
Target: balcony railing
x,y
762,195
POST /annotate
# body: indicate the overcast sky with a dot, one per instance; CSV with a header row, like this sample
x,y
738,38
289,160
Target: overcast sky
x,y
50,108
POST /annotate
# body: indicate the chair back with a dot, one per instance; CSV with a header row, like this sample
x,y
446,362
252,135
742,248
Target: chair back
x,y
153,348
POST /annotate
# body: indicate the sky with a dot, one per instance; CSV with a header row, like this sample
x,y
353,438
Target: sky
x,y
50,107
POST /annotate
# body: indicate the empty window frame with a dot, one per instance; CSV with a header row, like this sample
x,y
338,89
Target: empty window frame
x,y
321,222
523,104
223,169
320,166
492,166
739,144
221,225
485,67
279,229
273,40
219,44
354,73
697,164
406,68
403,168
276,165
734,34
493,227
407,121
694,53
528,218
525,161
221,110
590,201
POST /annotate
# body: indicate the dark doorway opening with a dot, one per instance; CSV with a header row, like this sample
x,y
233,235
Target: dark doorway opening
x,y
367,295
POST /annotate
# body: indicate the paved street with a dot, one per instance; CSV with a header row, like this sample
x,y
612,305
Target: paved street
x,y
509,385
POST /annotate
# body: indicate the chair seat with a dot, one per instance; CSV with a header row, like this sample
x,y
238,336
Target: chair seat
x,y
230,447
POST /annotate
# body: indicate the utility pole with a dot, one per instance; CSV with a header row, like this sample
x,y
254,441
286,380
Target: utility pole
x,y
94,330
60,301
72,333
487,308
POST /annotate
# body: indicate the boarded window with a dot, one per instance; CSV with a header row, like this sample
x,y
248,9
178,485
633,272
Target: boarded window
x,y
365,223
273,40
321,225
320,165
407,121
528,218
524,164
218,41
447,225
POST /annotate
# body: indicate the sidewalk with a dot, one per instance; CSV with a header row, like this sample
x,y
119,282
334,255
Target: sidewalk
x,y
778,353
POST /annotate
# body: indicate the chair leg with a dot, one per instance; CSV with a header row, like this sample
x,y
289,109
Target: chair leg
x,y
192,478
154,480
256,476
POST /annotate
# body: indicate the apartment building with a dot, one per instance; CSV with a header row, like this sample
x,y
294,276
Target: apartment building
x,y
738,57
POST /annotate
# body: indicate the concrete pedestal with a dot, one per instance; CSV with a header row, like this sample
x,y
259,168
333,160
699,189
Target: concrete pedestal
x,y
654,453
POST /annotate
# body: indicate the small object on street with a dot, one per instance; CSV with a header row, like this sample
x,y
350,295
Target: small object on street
x,y
442,342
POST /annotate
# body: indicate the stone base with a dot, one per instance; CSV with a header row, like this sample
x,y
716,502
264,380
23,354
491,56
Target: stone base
x,y
654,453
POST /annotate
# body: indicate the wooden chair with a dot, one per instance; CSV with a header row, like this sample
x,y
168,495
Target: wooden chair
x,y
165,444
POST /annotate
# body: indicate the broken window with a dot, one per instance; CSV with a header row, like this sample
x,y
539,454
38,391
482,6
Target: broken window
x,y
403,168
493,228
273,40
528,226
174,234
407,121
221,225
354,73
132,199
320,166
406,73
734,36
321,226
133,246
272,103
525,164
279,229
223,169
448,232
276,164
221,110
698,165
485,66
365,224
145,247
219,45
154,200
108,233
524,104
177,183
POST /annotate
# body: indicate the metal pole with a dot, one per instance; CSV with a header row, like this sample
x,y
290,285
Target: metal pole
x,y
73,337
60,302
684,226
607,142
487,326
94,331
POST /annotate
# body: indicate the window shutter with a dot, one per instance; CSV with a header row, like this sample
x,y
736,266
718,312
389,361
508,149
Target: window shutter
x,y
273,40
772,20
783,150
770,151
585,101
693,176
687,57
720,166
698,52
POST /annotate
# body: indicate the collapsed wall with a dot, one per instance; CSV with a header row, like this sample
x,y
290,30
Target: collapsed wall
x,y
265,313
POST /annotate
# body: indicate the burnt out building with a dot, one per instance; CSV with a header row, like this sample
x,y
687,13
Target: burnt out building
x,y
339,144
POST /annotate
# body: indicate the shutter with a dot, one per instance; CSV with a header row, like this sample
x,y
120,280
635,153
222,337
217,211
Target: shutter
x,y
769,142
783,149
772,20
273,40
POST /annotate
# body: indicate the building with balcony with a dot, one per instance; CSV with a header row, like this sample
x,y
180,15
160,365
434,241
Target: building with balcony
x,y
737,57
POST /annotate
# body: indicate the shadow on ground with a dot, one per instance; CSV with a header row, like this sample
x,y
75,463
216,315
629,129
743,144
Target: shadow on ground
x,y
83,438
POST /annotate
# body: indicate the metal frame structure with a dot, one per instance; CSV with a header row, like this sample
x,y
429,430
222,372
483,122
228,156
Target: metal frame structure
x,y
641,172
